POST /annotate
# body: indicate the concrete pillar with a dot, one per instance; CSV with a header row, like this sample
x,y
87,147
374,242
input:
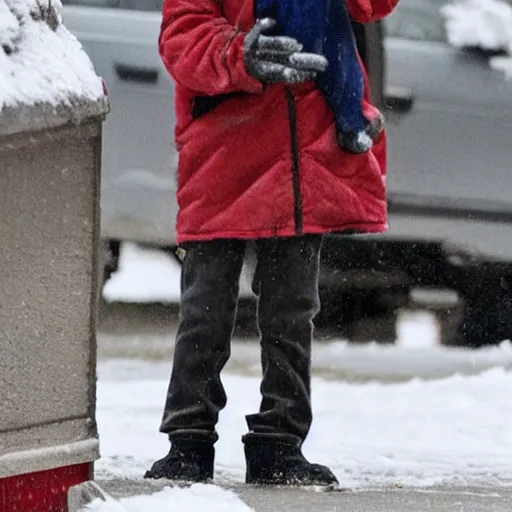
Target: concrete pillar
x,y
50,158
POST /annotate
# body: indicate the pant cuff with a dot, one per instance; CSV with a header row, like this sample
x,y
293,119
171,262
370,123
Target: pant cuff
x,y
271,437
193,435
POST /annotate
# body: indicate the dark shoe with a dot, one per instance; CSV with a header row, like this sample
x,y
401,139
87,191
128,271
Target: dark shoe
x,y
273,460
188,461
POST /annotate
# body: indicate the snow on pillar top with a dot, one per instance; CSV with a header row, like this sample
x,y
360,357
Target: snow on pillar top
x,y
46,78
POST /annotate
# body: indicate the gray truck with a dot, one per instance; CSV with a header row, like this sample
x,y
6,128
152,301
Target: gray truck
x,y
449,120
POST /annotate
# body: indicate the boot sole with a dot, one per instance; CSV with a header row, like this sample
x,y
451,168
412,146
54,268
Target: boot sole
x,y
296,485
177,481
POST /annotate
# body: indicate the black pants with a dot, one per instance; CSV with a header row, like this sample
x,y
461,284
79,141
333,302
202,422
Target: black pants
x,y
286,282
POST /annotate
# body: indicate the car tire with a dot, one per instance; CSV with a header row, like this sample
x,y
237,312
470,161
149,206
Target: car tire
x,y
486,318
368,315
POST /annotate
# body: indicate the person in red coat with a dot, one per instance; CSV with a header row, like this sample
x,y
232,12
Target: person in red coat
x,y
266,155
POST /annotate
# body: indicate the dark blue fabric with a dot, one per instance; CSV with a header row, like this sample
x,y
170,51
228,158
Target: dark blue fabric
x,y
324,27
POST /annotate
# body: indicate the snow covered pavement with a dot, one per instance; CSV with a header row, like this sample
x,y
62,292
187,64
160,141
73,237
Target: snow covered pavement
x,y
199,497
416,433
413,433
376,423
411,416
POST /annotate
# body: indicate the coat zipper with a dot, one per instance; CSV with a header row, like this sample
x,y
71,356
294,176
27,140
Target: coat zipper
x,y
294,147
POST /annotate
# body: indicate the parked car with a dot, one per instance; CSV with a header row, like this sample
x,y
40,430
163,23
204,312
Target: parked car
x,y
449,120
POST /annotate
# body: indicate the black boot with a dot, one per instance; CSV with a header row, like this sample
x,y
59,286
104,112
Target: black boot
x,y
278,460
209,290
188,461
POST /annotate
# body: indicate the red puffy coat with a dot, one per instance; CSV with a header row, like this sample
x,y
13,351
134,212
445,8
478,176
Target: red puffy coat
x,y
264,161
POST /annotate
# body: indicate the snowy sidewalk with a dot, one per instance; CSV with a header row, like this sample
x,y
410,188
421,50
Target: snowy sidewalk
x,y
413,433
408,428
244,499
419,444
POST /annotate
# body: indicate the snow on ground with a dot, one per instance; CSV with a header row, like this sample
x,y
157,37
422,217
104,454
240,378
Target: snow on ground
x,y
197,497
417,432
394,363
40,61
144,275
334,359
415,414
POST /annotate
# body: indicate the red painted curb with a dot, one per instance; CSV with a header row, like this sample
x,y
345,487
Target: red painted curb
x,y
43,491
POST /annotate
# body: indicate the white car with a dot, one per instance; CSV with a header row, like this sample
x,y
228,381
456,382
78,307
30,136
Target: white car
x,y
449,178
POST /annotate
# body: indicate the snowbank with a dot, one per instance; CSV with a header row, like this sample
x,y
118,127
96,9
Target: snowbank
x,y
372,434
485,24
196,497
41,62
144,275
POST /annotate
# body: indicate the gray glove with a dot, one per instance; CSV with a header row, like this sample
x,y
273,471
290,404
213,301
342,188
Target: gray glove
x,y
278,59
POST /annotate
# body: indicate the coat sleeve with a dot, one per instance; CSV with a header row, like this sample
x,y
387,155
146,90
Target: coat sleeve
x,y
201,50
366,11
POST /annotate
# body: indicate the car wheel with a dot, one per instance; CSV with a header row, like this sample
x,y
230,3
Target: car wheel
x,y
486,318
362,315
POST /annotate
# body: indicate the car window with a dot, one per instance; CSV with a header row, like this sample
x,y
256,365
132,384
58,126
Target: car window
x,y
420,20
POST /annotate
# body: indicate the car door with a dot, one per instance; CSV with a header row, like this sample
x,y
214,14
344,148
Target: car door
x,y
139,157
449,124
